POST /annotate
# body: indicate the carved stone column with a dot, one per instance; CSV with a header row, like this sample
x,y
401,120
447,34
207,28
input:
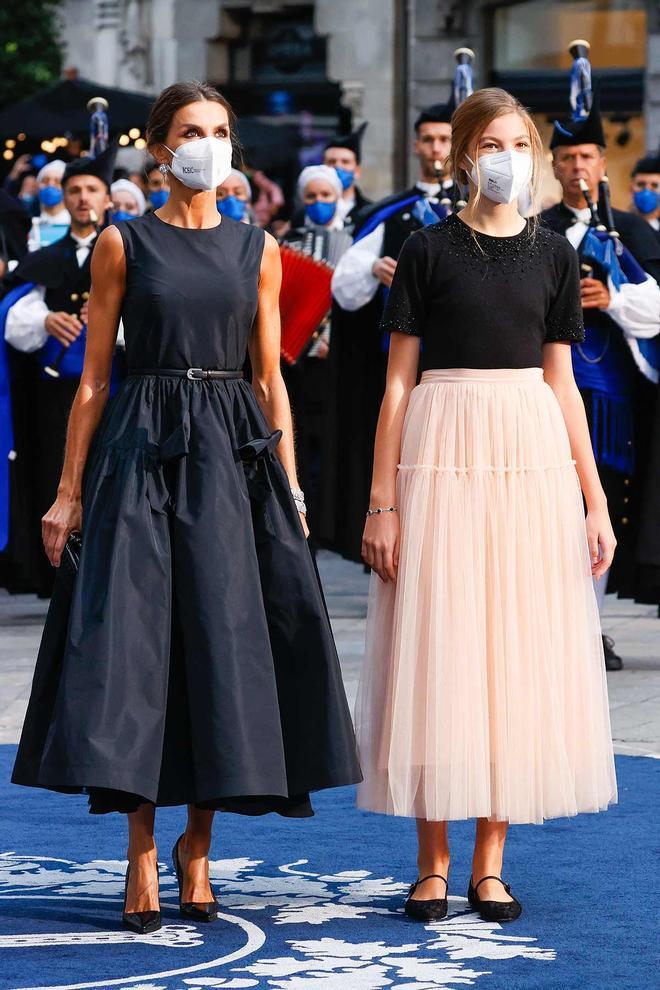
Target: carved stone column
x,y
107,24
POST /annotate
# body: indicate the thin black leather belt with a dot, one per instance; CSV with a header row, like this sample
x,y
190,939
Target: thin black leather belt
x,y
196,374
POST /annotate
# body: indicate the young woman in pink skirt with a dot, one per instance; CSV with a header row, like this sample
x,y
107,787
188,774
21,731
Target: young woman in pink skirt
x,y
484,693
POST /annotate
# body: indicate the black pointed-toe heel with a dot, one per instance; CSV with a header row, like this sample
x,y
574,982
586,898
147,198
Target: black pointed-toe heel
x,y
139,922
192,909
494,910
431,910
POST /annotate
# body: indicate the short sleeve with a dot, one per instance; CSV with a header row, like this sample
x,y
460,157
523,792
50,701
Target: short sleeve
x,y
405,309
564,321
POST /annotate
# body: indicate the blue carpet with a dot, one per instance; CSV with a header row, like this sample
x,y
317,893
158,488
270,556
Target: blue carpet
x,y
316,905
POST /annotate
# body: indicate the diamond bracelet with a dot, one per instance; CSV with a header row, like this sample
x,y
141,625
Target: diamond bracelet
x,y
299,499
376,512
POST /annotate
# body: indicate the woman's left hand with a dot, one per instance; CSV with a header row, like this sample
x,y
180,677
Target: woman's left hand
x,y
601,540
303,519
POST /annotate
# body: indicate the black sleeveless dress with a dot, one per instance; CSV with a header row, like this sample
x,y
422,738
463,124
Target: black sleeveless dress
x,y
196,663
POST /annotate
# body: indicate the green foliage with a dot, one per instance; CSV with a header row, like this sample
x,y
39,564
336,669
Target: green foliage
x,y
30,50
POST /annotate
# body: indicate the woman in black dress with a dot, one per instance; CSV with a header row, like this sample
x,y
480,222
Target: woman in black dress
x,y
198,666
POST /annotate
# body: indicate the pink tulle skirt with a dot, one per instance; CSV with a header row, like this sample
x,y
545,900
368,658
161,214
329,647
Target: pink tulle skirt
x,y
483,692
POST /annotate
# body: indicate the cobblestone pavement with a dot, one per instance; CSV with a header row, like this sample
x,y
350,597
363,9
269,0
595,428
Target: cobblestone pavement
x,y
634,691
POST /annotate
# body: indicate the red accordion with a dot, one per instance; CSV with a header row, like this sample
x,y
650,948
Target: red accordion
x,y
305,299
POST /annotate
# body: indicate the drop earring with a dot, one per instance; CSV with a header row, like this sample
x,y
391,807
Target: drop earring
x,y
162,168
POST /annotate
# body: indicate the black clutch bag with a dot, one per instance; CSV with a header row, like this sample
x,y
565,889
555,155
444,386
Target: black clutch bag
x,y
71,554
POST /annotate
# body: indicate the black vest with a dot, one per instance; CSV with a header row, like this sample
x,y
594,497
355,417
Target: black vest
x,y
73,291
397,228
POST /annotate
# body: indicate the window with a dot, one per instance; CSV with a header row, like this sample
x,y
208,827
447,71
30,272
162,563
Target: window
x,y
535,34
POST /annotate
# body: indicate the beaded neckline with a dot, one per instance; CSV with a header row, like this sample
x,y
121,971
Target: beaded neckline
x,y
510,257
490,237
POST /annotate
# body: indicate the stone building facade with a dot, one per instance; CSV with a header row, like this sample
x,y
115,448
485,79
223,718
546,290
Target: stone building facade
x,y
328,63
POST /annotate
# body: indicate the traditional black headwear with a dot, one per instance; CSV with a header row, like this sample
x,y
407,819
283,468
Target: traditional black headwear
x,y
649,163
586,131
439,113
102,166
352,141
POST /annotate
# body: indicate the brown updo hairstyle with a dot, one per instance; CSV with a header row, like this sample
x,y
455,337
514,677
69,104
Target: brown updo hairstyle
x,y
179,95
470,120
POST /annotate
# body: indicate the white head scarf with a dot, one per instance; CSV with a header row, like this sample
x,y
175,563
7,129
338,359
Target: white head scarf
x,y
125,185
236,174
319,172
54,168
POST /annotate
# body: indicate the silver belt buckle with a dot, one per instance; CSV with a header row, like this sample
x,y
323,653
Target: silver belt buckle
x,y
195,373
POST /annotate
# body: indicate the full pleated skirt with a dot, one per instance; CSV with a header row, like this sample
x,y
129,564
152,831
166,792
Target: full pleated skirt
x,y
483,691
191,660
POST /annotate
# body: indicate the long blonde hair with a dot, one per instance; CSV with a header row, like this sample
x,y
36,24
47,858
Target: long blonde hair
x,y
470,120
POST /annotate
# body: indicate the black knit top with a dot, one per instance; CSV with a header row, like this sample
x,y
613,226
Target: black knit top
x,y
485,302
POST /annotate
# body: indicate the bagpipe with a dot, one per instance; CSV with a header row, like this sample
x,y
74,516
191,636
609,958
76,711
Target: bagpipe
x,y
428,213
56,359
602,242
462,87
599,364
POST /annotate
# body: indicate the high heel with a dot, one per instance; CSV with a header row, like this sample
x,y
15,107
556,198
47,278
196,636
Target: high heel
x,y
139,922
494,910
431,910
192,909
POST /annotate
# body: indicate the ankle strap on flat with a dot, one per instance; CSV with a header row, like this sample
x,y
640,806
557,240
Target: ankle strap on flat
x,y
430,876
499,879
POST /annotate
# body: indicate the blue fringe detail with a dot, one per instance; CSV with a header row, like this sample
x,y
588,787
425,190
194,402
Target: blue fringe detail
x,y
612,432
6,424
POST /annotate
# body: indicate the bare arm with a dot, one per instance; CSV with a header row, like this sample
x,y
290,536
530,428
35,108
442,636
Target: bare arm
x,y
264,348
558,373
380,542
108,284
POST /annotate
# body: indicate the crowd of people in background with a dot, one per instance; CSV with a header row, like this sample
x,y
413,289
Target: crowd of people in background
x,y
336,384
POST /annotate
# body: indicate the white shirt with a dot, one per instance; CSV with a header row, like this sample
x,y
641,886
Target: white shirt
x,y
25,327
62,217
344,206
635,308
354,283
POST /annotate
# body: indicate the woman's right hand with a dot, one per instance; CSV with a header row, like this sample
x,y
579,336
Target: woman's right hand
x,y
63,517
380,544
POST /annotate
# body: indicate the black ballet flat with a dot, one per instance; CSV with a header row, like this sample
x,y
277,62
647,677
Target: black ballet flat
x,y
494,910
192,909
431,910
139,922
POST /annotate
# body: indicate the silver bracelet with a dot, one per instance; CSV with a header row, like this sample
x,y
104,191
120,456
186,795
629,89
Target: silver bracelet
x,y
376,512
299,500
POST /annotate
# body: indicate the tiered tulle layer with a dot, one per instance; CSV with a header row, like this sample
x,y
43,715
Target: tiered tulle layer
x,y
483,692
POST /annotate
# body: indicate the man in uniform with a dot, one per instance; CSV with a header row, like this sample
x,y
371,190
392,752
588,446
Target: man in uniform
x,y
615,378
46,309
645,190
358,357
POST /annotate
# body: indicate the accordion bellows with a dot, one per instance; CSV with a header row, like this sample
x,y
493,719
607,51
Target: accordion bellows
x,y
305,299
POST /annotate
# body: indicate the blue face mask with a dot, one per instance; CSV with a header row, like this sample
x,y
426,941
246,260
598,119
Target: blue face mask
x,y
118,215
50,196
345,177
232,207
645,200
320,213
27,199
158,198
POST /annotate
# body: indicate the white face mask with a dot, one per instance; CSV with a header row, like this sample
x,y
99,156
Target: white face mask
x,y
203,163
503,175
